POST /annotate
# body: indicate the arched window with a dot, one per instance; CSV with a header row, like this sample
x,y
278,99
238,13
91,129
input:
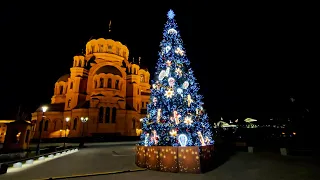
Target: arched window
x,y
114,115
71,85
40,125
134,71
107,115
80,63
109,83
141,78
117,84
109,48
101,82
138,92
95,83
101,115
69,103
61,90
75,123
46,125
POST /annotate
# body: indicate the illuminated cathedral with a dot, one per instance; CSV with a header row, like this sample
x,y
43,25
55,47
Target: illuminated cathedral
x,y
102,87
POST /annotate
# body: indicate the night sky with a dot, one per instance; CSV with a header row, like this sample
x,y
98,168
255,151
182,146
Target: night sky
x,y
248,59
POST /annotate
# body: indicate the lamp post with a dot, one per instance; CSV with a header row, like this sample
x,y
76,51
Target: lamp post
x,y
44,109
65,132
83,120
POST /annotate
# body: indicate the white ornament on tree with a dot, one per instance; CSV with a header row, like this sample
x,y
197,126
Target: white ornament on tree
x,y
154,86
169,93
179,51
162,75
183,139
155,137
171,81
167,71
168,48
168,63
201,138
172,31
176,117
185,85
154,100
180,91
178,71
188,120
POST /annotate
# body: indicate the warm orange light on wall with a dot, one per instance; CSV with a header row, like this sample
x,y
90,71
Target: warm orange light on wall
x,y
60,133
138,131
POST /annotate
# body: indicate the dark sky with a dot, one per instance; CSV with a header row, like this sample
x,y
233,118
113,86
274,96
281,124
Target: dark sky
x,y
248,59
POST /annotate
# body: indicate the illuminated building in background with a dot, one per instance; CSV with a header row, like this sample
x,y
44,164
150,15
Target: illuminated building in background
x,y
103,86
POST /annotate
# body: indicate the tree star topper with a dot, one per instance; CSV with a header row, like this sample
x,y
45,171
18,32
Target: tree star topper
x,y
170,14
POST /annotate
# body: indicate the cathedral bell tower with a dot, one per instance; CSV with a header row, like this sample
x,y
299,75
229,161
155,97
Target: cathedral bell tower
x,y
133,87
77,83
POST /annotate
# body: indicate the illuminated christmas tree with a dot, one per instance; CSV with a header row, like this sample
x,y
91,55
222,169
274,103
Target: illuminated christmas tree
x,y
175,115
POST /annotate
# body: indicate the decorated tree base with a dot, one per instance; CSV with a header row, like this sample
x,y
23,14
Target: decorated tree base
x,y
190,159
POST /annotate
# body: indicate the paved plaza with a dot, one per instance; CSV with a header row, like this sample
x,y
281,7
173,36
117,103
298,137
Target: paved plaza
x,y
117,157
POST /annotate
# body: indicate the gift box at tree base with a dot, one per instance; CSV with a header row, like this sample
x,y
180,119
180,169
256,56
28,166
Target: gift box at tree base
x,y
176,133
189,159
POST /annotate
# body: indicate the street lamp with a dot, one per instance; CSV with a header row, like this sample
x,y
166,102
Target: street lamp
x,y
44,109
83,120
65,132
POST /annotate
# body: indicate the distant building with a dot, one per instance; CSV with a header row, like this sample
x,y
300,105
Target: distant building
x,y
103,86
3,129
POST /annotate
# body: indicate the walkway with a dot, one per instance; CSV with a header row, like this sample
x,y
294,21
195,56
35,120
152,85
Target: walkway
x,y
242,166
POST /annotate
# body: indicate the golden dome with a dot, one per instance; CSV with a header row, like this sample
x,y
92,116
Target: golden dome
x,y
109,46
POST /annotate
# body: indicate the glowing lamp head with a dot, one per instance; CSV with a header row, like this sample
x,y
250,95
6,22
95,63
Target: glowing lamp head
x,y
84,119
182,138
67,119
44,108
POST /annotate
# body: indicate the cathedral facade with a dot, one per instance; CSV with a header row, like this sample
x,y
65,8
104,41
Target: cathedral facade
x,y
104,88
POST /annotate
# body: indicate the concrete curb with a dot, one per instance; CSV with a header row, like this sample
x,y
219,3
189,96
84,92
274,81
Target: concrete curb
x,y
21,164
